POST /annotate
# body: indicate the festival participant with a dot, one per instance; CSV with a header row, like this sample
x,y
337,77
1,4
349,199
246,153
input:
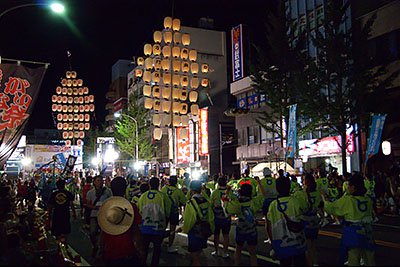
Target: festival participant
x,y
356,210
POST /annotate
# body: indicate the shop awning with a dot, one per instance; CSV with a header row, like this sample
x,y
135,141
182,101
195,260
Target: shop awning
x,y
274,166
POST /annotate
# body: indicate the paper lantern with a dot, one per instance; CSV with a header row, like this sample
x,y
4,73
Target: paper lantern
x,y
91,98
183,133
76,118
176,51
156,49
81,117
80,91
167,37
76,108
156,119
80,82
70,127
59,126
157,133
184,81
73,74
176,80
185,120
69,83
86,108
70,100
74,82
386,148
185,66
194,109
64,91
157,37
165,64
54,98
204,82
176,65
176,120
147,90
184,108
184,94
167,22
76,135
204,68
81,135
166,119
140,61
67,143
87,117
59,117
71,108
186,39
65,126
177,38
147,76
176,93
157,63
54,107
68,74
167,78
166,106
58,90
155,76
148,63
91,107
176,24
87,126
64,82
194,68
59,108
193,55
184,53
148,49
176,107
156,91
64,108
81,126
157,105
166,51
85,90
65,117
75,91
194,83
138,73
166,92
65,135
193,95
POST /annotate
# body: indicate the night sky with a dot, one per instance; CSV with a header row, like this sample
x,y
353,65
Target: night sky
x,y
98,33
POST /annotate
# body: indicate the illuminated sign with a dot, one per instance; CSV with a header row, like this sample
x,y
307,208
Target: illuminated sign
x,y
324,146
237,52
182,145
203,125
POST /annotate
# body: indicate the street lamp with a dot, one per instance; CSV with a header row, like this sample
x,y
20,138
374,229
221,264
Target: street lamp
x,y
55,7
117,115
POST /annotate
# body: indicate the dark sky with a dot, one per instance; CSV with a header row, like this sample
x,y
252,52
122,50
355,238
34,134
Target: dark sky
x,y
98,33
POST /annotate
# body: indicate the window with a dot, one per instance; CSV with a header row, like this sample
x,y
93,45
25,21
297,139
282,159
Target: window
x,y
320,14
310,4
254,134
311,19
302,6
302,24
293,9
311,47
242,136
266,135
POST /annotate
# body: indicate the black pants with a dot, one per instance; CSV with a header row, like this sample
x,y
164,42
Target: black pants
x,y
298,260
86,214
157,241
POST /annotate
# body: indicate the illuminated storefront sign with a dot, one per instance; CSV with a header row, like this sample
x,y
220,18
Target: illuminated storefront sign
x,y
203,138
237,52
325,146
182,145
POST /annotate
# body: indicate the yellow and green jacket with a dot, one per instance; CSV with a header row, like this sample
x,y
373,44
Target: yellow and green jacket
x,y
197,208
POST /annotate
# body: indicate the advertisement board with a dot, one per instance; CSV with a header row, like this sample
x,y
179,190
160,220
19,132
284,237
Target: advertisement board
x,y
182,145
203,130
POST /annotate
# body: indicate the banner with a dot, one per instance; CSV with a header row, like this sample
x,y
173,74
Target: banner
x,y
182,145
375,135
292,132
237,52
19,89
69,165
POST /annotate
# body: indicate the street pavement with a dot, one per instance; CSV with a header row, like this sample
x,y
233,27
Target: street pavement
x,y
386,233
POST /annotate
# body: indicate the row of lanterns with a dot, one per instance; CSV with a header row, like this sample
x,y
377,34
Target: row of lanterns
x,y
72,91
73,117
169,70
77,99
71,126
72,108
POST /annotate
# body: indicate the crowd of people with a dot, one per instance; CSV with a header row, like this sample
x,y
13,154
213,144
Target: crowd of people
x,y
124,215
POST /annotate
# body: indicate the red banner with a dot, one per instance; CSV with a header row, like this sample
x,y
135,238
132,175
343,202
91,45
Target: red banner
x,y
182,145
203,137
19,88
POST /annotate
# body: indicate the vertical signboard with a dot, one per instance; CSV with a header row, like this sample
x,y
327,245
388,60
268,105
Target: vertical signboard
x,y
237,52
292,136
182,145
375,135
203,138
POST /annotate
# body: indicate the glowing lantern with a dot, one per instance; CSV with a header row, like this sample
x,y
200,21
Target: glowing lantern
x,y
80,91
166,106
81,126
386,148
194,68
147,90
184,108
64,90
87,126
157,133
147,76
71,109
166,92
167,22
177,38
176,93
64,82
148,63
184,95
176,51
166,120
155,77
176,24
54,107
85,90
138,73
64,108
65,117
176,107
76,108
156,49
204,82
140,61
70,100
184,53
87,117
166,51
74,82
75,91
81,135
186,39
73,74
194,109
65,126
193,95
81,117
204,68
68,74
175,80
176,120
176,65
167,78
59,117
167,37
59,126
156,119
58,90
148,48
165,64
185,120
59,99
86,108
184,81
157,63
157,37
194,83
76,135
59,108
80,82
69,83
76,118
91,98
157,105
91,107
156,91
193,55
65,135
67,142
54,98
185,66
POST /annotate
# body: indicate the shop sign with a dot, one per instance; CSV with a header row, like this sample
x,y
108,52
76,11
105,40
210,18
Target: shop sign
x,y
203,139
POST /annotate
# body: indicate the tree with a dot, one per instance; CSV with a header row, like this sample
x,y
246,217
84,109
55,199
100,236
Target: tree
x,y
341,76
125,129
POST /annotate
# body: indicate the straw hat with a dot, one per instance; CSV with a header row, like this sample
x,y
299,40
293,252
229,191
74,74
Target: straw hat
x,y
115,215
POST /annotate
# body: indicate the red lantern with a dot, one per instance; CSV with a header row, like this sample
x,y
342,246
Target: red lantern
x,y
70,108
81,108
91,107
58,90
65,117
85,90
68,142
59,117
91,98
64,99
59,126
54,107
80,91
69,91
81,117
64,82
79,142
80,82
65,135
65,126
86,99
87,126
70,117
59,108
64,108
70,100
87,108
82,134
59,99
87,117
70,135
